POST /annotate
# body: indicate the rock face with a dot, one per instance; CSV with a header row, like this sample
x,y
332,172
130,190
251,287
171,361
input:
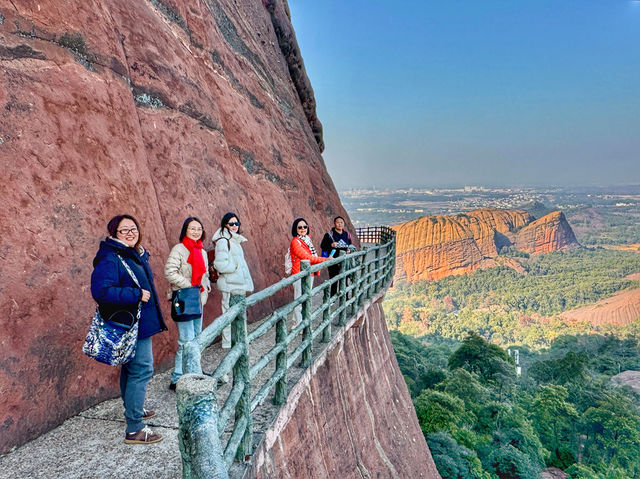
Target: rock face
x,y
160,108
352,418
549,233
434,247
620,310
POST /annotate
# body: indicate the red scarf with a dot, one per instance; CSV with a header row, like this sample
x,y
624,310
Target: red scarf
x,y
196,260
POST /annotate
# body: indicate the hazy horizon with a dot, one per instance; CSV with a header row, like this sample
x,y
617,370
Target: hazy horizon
x,y
501,93
491,186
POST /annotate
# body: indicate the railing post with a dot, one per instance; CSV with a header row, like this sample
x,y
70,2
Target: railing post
x,y
392,236
191,357
362,286
326,303
280,394
306,312
342,319
200,448
377,274
241,373
369,271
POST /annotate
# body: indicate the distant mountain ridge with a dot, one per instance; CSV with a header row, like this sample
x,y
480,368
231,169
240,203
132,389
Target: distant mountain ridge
x,y
433,247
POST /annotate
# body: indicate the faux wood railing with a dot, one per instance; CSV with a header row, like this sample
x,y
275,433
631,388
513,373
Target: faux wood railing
x,y
204,454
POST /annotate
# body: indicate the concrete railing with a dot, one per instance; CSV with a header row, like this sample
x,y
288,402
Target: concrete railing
x,y
202,425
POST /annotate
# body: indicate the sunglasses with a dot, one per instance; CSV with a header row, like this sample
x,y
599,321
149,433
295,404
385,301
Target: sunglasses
x,y
233,223
303,227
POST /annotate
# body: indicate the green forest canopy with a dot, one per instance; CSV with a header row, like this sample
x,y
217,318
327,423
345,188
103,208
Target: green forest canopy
x,y
507,307
483,421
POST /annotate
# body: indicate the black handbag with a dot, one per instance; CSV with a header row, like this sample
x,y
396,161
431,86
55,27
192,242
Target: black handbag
x,y
185,304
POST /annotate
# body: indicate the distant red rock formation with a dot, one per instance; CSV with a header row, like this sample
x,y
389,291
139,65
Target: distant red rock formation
x,y
434,247
549,233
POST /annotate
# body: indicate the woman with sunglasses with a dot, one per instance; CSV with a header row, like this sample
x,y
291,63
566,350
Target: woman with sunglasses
x,y
187,267
234,276
121,281
301,248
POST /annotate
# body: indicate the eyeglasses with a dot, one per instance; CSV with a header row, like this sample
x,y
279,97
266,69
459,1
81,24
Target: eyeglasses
x,y
233,223
126,231
190,228
303,227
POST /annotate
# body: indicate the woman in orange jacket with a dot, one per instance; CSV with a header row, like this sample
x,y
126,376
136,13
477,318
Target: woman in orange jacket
x,y
301,248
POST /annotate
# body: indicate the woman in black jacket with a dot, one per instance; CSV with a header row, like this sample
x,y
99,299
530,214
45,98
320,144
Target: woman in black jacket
x,y
338,239
115,291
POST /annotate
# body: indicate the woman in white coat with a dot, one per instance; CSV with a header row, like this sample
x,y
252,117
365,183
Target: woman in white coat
x,y
234,276
187,267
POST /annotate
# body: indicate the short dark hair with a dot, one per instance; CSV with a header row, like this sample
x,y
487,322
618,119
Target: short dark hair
x,y
112,227
294,226
185,225
338,218
226,218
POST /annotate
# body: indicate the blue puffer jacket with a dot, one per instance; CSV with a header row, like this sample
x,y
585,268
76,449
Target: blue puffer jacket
x,y
114,290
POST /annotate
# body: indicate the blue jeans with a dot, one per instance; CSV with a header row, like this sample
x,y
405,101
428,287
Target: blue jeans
x,y
134,377
187,330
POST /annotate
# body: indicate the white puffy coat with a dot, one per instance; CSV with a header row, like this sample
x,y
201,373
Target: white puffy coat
x,y
178,271
230,263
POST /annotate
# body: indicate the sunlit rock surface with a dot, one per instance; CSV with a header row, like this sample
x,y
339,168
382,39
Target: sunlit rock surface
x,y
159,108
433,247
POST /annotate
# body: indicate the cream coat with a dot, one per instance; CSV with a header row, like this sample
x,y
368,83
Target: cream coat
x,y
178,271
230,263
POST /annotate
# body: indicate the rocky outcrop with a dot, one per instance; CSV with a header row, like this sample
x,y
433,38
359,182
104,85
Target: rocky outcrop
x,y
550,233
434,247
160,108
351,416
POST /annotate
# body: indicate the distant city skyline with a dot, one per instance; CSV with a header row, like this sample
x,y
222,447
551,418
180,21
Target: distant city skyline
x,y
495,93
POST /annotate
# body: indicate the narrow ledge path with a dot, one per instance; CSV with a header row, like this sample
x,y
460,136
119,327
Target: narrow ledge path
x,y
91,444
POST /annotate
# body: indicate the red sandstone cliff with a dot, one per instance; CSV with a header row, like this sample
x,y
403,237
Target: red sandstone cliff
x,y
549,233
160,108
434,247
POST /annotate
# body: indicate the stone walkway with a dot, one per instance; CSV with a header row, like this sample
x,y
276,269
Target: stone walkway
x,y
91,444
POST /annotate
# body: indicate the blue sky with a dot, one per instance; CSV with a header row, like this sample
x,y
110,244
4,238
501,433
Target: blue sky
x,y
500,92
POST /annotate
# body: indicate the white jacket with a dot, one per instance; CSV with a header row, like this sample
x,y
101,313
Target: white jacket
x,y
178,271
230,263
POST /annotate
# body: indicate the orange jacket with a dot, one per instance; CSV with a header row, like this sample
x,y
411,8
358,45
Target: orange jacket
x,y
299,251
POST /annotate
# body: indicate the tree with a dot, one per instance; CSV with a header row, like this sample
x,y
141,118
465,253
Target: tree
x,y
487,360
553,419
453,460
612,428
507,462
569,368
439,411
466,386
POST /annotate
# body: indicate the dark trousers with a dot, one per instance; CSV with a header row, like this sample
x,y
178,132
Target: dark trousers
x,y
334,271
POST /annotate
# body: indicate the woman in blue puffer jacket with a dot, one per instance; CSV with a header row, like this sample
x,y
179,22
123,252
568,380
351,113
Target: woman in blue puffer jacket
x,y
115,291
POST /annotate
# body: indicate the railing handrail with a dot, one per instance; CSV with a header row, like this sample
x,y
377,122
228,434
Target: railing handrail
x,y
359,279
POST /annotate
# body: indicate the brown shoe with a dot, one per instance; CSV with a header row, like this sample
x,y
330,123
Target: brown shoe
x,y
143,436
147,413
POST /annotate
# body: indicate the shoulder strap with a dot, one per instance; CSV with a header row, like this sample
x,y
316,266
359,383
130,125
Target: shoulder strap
x,y
222,237
135,280
129,270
